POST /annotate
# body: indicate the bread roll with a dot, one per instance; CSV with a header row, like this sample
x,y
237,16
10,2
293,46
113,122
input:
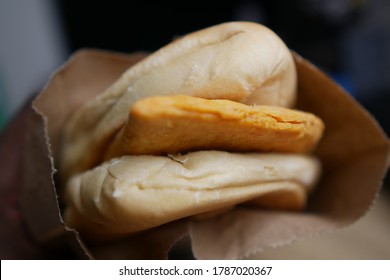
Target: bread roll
x,y
239,61
133,193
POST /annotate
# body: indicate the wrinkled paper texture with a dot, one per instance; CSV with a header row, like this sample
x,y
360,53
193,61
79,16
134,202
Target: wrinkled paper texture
x,y
354,153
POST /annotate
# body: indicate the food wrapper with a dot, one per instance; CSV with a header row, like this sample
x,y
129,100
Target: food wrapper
x,y
354,153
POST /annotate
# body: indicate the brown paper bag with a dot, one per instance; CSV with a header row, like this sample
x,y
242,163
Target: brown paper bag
x,y
354,152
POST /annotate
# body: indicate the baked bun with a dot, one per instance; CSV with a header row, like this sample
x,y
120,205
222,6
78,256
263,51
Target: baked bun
x,y
194,129
239,61
134,193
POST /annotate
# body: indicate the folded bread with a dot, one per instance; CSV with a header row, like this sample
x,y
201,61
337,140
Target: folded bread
x,y
133,193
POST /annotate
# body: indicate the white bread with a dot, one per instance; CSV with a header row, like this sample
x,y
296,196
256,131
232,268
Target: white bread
x,y
134,193
239,61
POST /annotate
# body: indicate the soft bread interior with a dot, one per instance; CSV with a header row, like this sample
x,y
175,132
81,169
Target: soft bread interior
x,y
133,193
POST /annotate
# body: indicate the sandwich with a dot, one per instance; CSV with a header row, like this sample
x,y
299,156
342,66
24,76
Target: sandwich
x,y
204,124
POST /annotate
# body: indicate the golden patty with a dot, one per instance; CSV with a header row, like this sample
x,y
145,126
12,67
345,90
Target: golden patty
x,y
174,124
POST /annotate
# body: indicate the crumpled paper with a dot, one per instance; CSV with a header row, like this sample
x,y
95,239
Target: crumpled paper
x,y
354,153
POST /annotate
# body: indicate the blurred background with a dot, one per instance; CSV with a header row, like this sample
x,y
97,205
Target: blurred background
x,y
348,39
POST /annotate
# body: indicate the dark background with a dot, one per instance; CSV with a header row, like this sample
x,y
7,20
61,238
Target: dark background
x,y
350,40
